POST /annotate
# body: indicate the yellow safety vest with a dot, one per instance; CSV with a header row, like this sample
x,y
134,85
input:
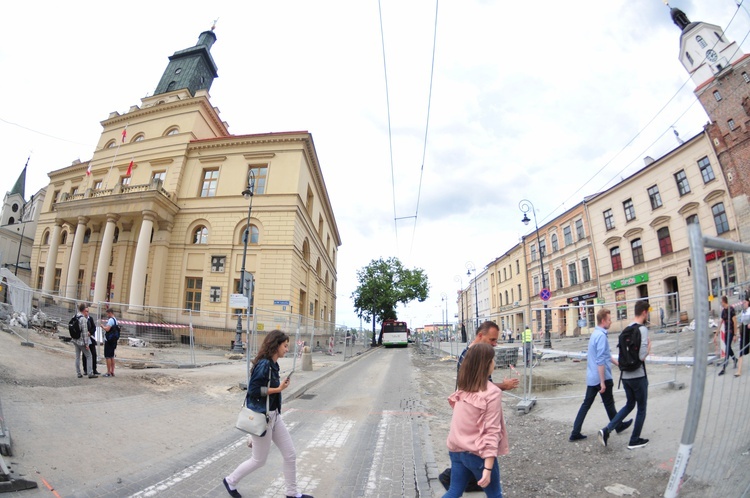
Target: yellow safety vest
x,y
527,337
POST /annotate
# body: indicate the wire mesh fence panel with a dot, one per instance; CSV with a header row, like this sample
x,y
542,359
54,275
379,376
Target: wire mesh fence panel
x,y
715,440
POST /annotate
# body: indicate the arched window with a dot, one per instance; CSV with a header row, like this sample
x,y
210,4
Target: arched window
x,y
63,238
506,298
200,235
86,236
11,220
665,241
254,235
637,248
555,247
45,239
306,251
139,138
558,278
701,41
110,144
172,131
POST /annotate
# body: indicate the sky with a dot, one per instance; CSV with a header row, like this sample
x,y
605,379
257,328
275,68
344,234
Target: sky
x,y
547,101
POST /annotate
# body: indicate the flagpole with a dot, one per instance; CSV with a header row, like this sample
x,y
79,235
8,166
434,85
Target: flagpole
x,y
117,151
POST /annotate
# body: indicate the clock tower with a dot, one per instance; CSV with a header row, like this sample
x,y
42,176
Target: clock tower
x,y
192,68
721,73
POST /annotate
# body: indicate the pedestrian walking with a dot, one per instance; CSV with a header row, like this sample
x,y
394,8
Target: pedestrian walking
x,y
112,335
727,327
598,376
91,329
265,367
744,332
634,382
82,342
477,435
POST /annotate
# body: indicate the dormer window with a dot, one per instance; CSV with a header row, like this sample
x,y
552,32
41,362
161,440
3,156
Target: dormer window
x,y
701,41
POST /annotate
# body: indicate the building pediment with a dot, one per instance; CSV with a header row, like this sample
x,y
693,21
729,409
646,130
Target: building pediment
x,y
660,220
611,241
714,195
633,232
687,208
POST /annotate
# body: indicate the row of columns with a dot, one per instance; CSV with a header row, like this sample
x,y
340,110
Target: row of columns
x,y
140,262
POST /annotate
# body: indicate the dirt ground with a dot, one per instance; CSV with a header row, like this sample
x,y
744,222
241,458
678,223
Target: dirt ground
x,y
542,462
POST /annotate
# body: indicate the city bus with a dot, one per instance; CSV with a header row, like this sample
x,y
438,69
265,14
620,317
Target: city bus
x,y
394,333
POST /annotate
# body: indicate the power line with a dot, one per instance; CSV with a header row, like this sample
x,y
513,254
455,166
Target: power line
x,y
42,133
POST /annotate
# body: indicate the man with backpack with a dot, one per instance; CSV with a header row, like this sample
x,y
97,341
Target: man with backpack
x,y
633,346
111,336
91,327
79,336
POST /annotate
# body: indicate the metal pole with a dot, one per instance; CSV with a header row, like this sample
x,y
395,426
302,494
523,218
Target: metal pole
x,y
247,193
526,205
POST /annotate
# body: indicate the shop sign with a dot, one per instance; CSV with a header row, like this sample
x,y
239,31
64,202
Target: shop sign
x,y
634,280
584,297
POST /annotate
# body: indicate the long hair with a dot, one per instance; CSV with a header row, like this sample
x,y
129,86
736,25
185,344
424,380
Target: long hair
x,y
270,345
472,376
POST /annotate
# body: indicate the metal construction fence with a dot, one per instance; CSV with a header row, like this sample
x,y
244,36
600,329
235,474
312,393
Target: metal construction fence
x,y
181,337
715,440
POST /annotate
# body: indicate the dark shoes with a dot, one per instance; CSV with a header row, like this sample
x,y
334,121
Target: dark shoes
x,y
303,496
576,437
638,444
232,492
624,426
722,372
79,376
93,376
604,436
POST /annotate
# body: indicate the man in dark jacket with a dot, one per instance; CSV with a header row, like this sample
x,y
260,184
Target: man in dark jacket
x,y
91,327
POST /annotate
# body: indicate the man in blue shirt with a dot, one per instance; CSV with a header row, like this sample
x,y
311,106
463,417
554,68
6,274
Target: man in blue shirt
x,y
598,376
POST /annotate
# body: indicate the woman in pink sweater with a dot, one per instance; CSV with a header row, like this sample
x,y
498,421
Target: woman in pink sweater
x,y
477,434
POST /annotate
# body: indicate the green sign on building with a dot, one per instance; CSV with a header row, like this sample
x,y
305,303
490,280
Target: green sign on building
x,y
625,282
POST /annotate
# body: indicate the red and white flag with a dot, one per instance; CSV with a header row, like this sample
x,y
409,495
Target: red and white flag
x,y
130,169
88,170
124,133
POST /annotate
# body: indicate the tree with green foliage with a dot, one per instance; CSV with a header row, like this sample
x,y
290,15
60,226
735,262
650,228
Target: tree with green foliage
x,y
383,284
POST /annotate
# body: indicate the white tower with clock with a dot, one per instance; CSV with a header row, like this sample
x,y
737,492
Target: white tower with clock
x,y
704,49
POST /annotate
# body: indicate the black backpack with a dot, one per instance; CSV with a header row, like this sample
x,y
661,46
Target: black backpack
x,y
74,328
114,333
629,346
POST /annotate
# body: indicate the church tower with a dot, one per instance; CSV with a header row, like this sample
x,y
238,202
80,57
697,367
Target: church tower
x,y
192,68
721,72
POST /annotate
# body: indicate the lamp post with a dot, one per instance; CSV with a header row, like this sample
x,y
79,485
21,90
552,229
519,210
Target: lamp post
x,y
245,278
458,278
525,206
444,298
469,269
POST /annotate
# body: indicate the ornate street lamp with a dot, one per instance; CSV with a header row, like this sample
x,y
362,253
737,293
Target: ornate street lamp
x,y
246,279
469,269
458,278
525,206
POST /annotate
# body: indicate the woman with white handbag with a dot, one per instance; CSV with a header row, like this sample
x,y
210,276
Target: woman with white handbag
x,y
264,397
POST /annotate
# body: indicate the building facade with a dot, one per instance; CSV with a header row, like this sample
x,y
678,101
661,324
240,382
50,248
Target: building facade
x,y
157,217
640,230
509,290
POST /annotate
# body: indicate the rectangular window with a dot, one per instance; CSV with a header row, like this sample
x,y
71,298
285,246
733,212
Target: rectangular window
x,y
79,285
533,252
159,175
558,278
720,218
579,230
536,284
731,125
745,77
261,175
218,263
572,274
518,267
214,295
730,274
706,170
58,276
683,187
542,247
717,95
40,278
654,197
125,181
585,270
519,292
193,293
74,191
629,209
98,185
505,274
210,181
568,236
637,251
665,241
609,219
614,255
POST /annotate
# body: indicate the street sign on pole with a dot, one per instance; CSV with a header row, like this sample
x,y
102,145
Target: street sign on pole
x,y
545,294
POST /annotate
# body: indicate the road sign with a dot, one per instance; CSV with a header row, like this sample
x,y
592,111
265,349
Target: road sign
x,y
280,302
545,294
238,301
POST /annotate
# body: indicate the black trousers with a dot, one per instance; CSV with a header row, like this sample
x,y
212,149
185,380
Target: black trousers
x,y
92,348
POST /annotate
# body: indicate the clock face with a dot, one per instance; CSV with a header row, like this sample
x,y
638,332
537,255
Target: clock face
x,y
711,56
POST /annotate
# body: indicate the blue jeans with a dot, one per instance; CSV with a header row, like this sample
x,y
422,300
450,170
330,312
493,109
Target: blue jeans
x,y
636,392
591,392
464,464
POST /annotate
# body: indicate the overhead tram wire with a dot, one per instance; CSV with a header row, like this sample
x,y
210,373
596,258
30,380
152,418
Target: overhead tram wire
x,y
562,204
426,127
390,136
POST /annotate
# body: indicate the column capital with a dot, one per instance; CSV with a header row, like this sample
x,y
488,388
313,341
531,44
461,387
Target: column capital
x,y
166,225
59,223
82,220
149,215
113,217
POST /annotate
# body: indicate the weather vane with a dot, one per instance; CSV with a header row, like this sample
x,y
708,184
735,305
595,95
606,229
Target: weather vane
x,y
213,26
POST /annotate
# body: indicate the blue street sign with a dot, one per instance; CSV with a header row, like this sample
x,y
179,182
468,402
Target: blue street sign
x,y
280,303
545,294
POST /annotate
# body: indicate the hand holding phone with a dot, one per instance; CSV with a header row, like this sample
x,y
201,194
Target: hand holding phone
x,y
288,377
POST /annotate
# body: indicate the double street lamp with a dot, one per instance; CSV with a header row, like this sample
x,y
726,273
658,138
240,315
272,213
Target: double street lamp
x,y
469,269
525,206
246,279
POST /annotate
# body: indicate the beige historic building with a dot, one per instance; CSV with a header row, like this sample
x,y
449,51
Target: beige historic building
x,y
640,230
509,289
157,216
564,248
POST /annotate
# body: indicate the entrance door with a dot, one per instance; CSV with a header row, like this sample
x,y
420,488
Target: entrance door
x,y
672,304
